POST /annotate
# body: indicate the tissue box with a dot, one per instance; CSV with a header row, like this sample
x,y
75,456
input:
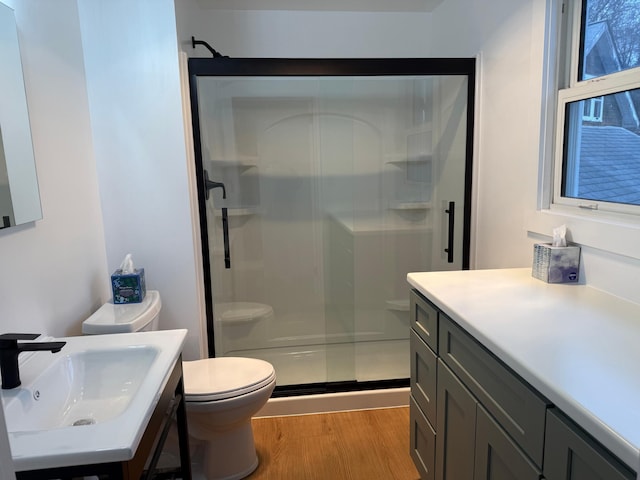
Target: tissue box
x,y
556,264
128,287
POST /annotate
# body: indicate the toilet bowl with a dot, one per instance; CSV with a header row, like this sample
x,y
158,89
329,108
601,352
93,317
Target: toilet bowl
x,y
221,394
223,419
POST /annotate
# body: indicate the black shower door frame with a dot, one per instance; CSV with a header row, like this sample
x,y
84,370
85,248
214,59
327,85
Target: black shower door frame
x,y
319,67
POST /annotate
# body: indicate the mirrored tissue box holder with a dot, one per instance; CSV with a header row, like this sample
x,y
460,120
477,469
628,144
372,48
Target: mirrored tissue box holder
x,y
128,287
556,264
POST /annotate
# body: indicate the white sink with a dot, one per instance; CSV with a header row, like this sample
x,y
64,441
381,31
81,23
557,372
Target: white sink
x,y
91,402
80,389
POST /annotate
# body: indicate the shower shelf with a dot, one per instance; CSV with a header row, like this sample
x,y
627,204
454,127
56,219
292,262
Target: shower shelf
x,y
400,162
410,206
398,305
241,163
237,212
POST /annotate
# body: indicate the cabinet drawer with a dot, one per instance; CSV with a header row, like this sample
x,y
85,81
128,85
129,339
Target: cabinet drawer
x,y
422,444
518,408
497,456
424,319
571,454
423,376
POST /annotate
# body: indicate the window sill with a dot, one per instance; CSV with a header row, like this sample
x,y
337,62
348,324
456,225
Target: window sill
x,y
598,230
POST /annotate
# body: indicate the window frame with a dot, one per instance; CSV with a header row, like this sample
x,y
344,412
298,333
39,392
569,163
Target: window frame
x,y
605,85
577,90
613,232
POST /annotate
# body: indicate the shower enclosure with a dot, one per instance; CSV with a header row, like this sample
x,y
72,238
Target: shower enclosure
x,y
322,183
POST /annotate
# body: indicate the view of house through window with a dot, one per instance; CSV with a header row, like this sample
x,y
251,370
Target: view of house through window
x,y
601,154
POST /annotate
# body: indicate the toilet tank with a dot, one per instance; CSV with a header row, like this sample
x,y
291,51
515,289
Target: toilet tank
x,y
125,318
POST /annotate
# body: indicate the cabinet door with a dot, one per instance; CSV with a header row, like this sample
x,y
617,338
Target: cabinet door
x,y
497,456
423,442
570,454
455,427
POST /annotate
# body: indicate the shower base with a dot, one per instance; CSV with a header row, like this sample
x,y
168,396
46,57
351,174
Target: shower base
x,y
362,361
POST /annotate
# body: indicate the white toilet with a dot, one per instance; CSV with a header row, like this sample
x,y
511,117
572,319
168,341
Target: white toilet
x,y
221,394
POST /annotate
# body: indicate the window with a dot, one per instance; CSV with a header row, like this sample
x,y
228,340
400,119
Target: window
x,y
592,111
598,127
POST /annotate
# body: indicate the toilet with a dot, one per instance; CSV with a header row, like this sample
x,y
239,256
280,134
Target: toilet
x,y
221,394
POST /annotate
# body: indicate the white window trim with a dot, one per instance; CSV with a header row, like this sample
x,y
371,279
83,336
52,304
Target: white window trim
x,y
608,231
583,90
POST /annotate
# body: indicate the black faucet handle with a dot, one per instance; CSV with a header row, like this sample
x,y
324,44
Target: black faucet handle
x,y
19,336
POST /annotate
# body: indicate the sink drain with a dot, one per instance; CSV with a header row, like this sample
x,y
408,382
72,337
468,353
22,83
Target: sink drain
x,y
83,421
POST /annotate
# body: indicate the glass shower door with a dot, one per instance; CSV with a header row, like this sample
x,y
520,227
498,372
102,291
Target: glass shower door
x,y
324,192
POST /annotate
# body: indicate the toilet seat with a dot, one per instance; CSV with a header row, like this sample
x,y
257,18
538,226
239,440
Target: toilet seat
x,y
221,378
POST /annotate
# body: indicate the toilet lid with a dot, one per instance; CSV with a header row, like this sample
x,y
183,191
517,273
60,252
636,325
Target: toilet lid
x,y
123,318
224,377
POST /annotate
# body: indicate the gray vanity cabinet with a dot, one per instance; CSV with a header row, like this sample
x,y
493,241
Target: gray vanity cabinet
x,y
571,454
488,424
473,418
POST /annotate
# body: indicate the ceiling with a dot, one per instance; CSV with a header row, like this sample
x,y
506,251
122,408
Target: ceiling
x,y
325,5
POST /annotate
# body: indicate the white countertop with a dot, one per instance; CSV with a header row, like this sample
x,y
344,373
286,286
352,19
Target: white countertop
x,y
578,346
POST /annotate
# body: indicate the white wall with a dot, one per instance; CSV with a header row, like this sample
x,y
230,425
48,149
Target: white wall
x,y
133,78
53,271
310,34
508,37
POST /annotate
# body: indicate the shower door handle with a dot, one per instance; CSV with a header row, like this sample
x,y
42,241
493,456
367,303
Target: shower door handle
x,y
451,211
225,234
209,185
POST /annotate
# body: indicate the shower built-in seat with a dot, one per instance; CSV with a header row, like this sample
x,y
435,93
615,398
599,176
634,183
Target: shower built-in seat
x,y
242,312
243,325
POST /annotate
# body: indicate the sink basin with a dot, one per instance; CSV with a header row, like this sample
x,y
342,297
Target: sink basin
x,y
91,402
80,389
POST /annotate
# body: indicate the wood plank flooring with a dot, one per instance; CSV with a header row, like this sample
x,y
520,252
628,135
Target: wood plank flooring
x,y
358,445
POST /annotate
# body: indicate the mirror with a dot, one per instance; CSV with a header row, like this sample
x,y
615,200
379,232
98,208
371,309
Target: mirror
x,y
19,197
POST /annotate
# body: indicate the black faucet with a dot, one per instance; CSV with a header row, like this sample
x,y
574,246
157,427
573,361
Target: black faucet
x,y
10,349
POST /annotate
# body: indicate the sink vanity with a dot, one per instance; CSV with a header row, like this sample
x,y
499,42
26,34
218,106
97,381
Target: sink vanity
x,y
103,405
514,378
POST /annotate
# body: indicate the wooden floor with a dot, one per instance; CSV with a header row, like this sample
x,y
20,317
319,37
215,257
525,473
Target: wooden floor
x,y
364,444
